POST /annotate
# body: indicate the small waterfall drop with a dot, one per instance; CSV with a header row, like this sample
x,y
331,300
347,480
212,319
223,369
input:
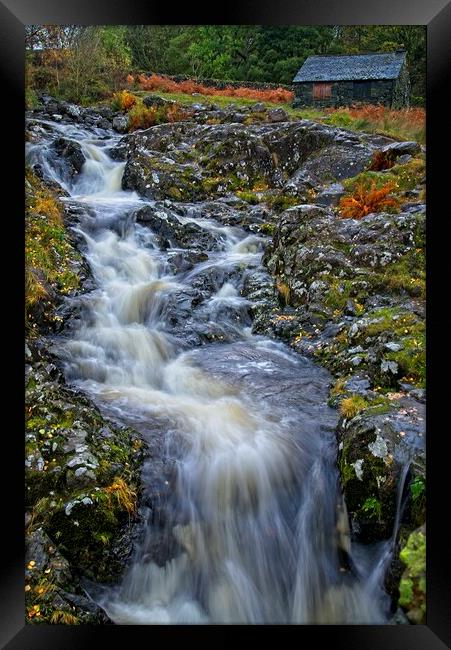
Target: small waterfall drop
x,y
251,518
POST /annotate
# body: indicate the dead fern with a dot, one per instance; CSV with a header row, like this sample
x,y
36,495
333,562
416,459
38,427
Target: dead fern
x,y
367,199
381,160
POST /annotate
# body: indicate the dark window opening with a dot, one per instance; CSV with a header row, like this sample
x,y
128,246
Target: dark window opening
x,y
322,91
362,90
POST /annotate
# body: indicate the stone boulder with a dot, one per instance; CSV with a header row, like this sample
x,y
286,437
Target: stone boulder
x,y
156,100
170,231
278,115
120,123
71,152
380,456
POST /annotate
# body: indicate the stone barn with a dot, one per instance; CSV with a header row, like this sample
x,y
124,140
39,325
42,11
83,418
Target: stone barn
x,y
341,80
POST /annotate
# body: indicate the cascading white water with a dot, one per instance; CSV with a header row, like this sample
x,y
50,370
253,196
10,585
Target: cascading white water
x,y
253,525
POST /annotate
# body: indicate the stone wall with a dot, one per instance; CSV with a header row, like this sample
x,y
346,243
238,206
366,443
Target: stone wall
x,y
381,92
221,83
401,90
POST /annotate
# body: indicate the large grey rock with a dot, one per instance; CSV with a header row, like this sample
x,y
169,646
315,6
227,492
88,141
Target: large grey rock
x,y
170,231
74,111
278,115
374,454
72,153
402,148
120,123
156,100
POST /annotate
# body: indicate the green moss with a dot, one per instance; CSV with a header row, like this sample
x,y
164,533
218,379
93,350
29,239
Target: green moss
x,y
347,472
50,257
409,175
412,587
412,358
174,193
249,197
408,274
405,177
281,202
268,228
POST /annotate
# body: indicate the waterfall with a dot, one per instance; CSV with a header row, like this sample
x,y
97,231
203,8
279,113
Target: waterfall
x,y
252,531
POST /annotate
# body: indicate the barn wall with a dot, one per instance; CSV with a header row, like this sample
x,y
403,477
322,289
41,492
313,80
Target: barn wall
x,y
401,91
381,92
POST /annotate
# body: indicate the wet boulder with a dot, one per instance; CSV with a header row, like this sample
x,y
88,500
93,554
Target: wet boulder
x,y
380,458
120,123
181,262
170,231
291,143
397,149
160,177
235,151
330,195
74,111
259,107
71,152
337,162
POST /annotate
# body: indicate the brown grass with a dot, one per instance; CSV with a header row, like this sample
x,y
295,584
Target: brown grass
x,y
122,494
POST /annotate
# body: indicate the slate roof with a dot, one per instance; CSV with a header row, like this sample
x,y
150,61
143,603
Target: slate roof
x,y
350,67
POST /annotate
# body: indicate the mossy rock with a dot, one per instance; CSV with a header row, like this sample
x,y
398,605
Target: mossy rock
x,y
369,476
412,587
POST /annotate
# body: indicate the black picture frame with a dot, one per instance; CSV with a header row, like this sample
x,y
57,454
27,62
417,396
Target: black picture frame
x,y
436,14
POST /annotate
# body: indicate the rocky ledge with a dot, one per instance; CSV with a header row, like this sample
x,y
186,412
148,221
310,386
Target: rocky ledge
x,y
348,292
82,471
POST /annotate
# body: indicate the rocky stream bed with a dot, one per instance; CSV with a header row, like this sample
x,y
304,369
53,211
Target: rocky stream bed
x,y
214,283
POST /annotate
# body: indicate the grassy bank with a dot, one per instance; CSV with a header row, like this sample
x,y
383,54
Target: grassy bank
x,y
400,124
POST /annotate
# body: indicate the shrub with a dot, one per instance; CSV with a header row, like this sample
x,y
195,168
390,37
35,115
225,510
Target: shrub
x,y
123,101
141,117
366,199
175,113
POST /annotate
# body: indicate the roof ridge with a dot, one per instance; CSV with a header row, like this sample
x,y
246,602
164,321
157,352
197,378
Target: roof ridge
x,y
310,56
345,67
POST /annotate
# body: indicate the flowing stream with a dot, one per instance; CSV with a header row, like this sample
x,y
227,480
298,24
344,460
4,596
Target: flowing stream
x,y
250,525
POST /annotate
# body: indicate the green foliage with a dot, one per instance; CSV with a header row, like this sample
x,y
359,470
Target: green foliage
x,y
268,228
281,202
103,55
372,508
418,488
249,197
